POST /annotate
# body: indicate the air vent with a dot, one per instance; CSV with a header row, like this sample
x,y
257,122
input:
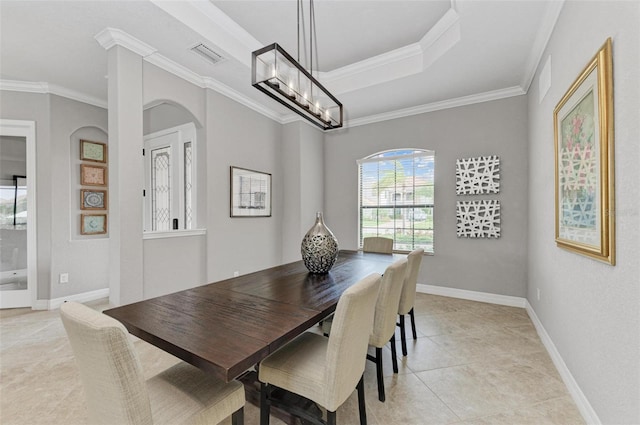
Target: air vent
x,y
208,53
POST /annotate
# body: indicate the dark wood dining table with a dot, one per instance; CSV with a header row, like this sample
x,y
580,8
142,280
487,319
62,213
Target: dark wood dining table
x,y
227,327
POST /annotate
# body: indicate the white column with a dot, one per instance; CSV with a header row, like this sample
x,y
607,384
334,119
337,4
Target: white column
x,y
126,175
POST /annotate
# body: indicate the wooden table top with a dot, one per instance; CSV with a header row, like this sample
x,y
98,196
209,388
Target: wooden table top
x,y
226,327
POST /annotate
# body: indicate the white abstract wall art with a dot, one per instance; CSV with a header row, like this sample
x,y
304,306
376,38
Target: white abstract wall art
x,y
475,176
478,219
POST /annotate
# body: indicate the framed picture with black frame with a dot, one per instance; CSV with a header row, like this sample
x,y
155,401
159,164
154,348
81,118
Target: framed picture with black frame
x,y
250,193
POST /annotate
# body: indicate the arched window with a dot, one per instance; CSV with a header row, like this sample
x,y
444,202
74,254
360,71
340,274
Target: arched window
x,y
396,197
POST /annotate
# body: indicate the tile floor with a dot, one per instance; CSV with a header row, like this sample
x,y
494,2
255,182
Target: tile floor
x,y
473,363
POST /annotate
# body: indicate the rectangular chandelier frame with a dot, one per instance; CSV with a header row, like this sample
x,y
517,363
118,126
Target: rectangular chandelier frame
x,y
277,74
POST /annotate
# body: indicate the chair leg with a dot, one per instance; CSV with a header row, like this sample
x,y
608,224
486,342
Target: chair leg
x,y
381,396
331,418
237,417
403,336
413,324
394,356
361,405
265,404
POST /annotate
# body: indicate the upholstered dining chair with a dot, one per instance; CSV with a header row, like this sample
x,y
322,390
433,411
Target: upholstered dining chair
x,y
325,370
384,322
115,388
408,295
377,244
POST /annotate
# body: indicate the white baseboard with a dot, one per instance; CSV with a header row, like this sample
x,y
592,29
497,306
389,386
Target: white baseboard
x,y
576,393
81,298
578,396
464,294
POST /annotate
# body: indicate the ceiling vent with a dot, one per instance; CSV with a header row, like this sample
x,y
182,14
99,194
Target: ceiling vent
x,y
208,53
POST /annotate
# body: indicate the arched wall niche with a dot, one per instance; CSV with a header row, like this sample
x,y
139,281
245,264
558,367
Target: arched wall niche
x,y
162,114
94,134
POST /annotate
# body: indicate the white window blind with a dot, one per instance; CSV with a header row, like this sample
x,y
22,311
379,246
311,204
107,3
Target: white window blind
x,y
396,198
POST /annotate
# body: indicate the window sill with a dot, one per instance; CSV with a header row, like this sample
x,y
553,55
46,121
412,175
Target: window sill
x,y
173,234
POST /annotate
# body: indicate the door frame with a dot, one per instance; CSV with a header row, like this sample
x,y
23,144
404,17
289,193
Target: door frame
x,y
27,129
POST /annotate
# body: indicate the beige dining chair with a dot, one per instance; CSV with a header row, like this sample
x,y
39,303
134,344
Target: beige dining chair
x,y
377,244
116,390
408,295
384,324
325,370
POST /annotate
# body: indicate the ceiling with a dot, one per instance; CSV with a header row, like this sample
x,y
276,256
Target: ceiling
x,y
380,58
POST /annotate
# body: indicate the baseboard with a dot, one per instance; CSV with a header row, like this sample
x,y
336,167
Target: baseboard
x,y
578,396
81,298
576,393
472,295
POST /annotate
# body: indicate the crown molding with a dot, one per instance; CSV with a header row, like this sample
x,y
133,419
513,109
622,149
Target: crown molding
x,y
542,39
441,38
386,67
232,94
110,37
46,88
398,63
75,95
437,106
176,69
24,86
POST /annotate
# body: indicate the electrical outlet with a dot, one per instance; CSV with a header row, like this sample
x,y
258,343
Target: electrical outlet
x,y
538,293
64,278
236,274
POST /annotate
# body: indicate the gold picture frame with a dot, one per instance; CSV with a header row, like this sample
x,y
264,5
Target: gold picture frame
x,y
93,224
93,175
93,151
584,162
93,199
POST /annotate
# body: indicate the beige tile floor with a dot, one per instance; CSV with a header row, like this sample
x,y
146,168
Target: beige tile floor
x,y
473,363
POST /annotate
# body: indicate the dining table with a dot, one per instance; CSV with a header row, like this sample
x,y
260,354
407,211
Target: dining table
x,y
227,327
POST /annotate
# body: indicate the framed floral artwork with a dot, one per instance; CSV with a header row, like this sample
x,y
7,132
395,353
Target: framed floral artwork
x,y
584,174
93,175
93,151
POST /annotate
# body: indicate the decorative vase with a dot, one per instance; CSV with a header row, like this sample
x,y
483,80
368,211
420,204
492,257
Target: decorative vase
x,y
319,247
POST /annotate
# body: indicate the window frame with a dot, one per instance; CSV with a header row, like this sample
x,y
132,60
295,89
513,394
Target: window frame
x,y
186,135
380,157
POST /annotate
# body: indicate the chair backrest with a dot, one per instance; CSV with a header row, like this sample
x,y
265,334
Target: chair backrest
x,y
408,296
111,374
384,322
377,244
349,340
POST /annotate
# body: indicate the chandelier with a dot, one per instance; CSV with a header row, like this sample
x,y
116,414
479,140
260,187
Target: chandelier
x,y
281,77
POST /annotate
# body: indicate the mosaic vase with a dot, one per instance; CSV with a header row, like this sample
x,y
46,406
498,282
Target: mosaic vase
x,y
319,247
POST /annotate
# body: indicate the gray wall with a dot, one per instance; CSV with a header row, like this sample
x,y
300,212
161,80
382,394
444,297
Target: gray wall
x,y
588,308
496,266
303,168
85,258
172,264
57,120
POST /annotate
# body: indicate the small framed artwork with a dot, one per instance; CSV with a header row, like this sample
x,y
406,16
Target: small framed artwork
x,y
478,219
584,174
93,175
250,193
93,151
93,199
93,224
476,176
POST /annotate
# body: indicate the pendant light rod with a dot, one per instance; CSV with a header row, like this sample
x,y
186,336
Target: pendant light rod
x,y
281,77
